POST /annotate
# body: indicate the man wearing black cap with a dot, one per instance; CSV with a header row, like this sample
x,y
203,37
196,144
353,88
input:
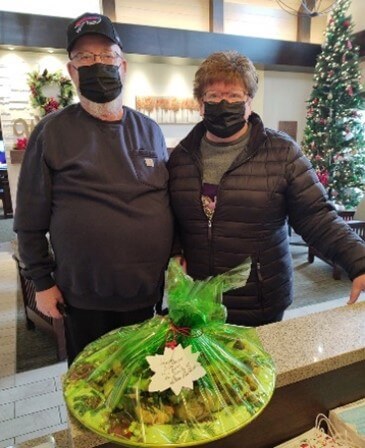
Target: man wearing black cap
x,y
94,177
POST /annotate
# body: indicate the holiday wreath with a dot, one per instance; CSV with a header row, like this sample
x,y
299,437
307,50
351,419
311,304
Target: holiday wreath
x,y
37,81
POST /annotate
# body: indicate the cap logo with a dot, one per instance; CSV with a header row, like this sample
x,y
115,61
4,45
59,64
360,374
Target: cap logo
x,y
90,20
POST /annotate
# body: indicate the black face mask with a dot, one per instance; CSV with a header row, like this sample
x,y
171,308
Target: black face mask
x,y
100,83
224,119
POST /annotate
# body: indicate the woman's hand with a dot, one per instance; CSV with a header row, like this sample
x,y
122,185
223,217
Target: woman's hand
x,y
181,260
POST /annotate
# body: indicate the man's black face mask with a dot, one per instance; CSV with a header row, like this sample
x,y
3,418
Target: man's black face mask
x,y
224,119
100,83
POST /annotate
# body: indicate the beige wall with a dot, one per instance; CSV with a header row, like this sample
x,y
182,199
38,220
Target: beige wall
x,y
259,18
285,98
189,15
357,10
14,98
318,28
250,19
64,8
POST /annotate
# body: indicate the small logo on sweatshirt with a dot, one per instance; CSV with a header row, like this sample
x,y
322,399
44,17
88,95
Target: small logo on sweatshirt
x,y
149,162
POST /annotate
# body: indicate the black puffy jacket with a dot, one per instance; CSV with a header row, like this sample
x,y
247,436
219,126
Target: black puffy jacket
x,y
265,186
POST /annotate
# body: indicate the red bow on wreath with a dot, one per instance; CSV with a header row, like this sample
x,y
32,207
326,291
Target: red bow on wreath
x,y
21,143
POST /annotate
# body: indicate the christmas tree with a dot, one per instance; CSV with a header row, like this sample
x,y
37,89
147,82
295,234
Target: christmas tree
x,y
334,136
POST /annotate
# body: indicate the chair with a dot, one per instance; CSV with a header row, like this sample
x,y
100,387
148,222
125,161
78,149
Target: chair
x,y
5,194
34,318
348,215
358,227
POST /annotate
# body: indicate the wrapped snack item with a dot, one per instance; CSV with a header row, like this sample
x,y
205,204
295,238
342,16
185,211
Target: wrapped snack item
x,y
180,380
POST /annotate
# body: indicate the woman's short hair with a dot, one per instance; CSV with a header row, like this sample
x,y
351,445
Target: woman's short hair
x,y
228,67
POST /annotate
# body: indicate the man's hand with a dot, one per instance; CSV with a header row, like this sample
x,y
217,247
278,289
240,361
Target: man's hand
x,y
358,285
47,301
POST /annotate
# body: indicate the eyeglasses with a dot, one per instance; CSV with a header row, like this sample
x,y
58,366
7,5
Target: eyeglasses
x,y
231,97
88,58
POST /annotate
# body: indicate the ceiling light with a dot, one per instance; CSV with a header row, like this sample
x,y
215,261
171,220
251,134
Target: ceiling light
x,y
311,8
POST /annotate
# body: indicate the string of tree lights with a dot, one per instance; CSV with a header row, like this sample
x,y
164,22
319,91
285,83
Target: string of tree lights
x,y
334,136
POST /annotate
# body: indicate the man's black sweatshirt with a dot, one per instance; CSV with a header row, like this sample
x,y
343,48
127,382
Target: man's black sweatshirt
x,y
100,190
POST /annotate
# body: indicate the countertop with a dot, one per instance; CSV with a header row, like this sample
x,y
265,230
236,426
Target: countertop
x,y
307,346
301,347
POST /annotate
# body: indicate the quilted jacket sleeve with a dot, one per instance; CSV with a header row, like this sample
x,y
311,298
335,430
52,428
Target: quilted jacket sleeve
x,y
313,217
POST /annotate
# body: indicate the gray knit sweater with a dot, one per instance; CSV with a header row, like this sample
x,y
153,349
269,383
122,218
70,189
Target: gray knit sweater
x,y
218,157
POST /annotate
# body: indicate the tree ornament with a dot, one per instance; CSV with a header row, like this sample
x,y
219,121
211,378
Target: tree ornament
x,y
323,177
349,90
348,135
38,82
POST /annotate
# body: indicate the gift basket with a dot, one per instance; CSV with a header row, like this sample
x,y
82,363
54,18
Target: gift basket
x,y
180,380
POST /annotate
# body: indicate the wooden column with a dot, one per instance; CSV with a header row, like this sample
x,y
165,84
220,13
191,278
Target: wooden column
x,y
304,22
216,16
108,9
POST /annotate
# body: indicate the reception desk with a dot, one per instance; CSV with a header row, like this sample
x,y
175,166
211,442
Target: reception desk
x,y
320,361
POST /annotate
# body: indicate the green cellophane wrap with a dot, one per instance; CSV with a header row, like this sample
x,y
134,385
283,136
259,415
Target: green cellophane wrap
x,y
226,382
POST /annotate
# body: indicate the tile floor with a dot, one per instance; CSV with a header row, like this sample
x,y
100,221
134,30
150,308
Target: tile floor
x,y
31,403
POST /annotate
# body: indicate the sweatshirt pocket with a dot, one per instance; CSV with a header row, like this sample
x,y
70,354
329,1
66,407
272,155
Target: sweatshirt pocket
x,y
149,169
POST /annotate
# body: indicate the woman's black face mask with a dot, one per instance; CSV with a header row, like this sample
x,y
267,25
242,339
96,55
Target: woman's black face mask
x,y
224,119
100,83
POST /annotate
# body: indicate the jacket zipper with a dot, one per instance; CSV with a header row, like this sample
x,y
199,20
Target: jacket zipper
x,y
259,286
259,275
210,221
209,230
210,235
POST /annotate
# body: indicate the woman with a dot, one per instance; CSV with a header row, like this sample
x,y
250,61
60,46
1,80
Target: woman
x,y
233,186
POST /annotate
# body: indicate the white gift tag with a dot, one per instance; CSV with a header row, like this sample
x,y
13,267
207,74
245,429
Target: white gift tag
x,y
176,368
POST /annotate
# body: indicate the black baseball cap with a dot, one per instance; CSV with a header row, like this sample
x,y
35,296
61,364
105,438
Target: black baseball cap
x,y
91,23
